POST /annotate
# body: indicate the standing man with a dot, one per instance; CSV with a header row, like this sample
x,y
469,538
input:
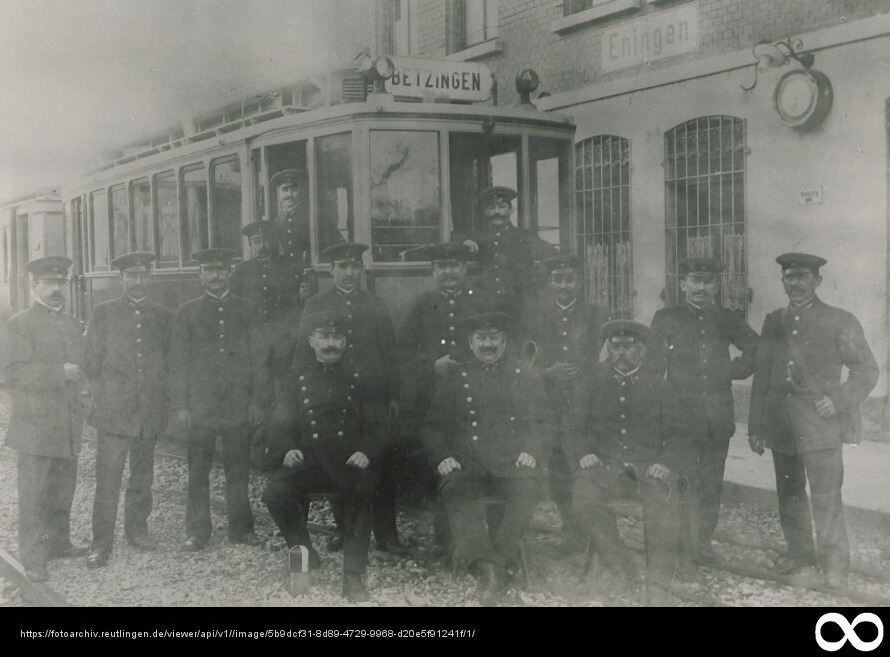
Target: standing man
x,y
487,430
624,442
126,365
370,354
339,434
292,215
803,412
507,253
566,335
43,373
211,394
691,348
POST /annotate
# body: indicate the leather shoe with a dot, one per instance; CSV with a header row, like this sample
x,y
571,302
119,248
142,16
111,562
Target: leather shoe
x,y
806,576
708,556
143,542
836,580
249,538
354,589
489,583
69,551
97,559
335,542
788,565
393,546
193,544
37,573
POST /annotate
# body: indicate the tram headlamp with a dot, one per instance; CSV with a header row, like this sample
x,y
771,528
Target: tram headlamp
x,y
526,82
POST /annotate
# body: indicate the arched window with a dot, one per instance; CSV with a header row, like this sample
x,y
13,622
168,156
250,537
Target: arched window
x,y
602,197
704,178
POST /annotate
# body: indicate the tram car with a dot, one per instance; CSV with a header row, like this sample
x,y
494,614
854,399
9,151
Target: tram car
x,y
372,167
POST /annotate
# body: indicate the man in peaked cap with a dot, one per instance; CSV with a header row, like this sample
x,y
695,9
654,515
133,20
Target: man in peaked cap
x,y
565,331
292,215
126,365
623,441
338,439
370,354
690,347
803,410
507,253
488,432
212,393
44,376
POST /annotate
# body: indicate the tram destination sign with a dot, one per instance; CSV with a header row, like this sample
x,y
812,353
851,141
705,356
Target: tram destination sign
x,y
421,78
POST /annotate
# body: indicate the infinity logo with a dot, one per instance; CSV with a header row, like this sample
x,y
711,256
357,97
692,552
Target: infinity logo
x,y
849,631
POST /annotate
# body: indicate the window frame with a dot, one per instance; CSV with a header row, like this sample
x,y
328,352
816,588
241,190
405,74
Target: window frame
x,y
156,219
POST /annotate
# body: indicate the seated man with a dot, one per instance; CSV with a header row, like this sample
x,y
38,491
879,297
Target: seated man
x,y
487,429
621,445
339,436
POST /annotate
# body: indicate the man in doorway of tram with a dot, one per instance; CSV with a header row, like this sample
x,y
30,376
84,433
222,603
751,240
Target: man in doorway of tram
x,y
507,253
623,442
126,365
564,334
370,354
690,346
340,432
292,215
803,410
429,344
488,432
44,376
212,392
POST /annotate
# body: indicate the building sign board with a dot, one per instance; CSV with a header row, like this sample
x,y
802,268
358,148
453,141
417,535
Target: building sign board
x,y
650,38
811,195
418,78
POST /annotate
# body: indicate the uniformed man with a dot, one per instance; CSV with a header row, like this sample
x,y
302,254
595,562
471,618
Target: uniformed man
x,y
487,430
44,376
340,433
623,442
802,410
690,346
565,334
292,215
370,353
126,365
507,253
211,394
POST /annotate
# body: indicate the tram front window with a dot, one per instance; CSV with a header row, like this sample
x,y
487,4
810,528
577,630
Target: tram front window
x,y
141,194
405,193
120,224
226,204
549,163
333,186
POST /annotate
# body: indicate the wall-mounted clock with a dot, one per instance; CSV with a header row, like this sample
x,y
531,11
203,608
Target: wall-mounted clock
x,y
803,98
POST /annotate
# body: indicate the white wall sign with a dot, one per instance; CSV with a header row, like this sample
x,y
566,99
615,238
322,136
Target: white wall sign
x,y
417,78
650,38
811,195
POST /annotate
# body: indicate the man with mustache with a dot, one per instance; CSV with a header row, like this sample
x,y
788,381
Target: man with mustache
x,y
370,354
340,433
507,253
566,333
126,364
44,376
488,431
212,394
690,347
803,410
292,215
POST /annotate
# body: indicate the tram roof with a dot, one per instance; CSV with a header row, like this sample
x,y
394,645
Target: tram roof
x,y
52,193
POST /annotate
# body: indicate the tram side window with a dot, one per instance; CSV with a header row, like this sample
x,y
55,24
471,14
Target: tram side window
x,y
99,231
549,163
140,192
478,162
194,198
226,204
406,211
120,225
167,204
333,167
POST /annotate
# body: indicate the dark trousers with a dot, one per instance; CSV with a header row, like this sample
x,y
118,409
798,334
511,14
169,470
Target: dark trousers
x,y
285,493
111,452
460,492
46,491
559,477
700,508
824,469
593,487
236,462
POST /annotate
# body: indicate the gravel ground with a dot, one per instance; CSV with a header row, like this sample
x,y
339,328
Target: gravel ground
x,y
234,575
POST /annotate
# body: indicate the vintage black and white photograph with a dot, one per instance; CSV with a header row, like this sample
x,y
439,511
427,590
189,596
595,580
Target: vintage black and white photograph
x,y
446,303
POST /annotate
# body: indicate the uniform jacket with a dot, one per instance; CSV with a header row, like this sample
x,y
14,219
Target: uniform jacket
x,y
623,419
47,413
271,284
334,418
691,348
370,341
485,416
829,340
564,334
126,363
211,373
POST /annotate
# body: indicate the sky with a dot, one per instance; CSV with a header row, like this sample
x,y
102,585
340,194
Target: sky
x,y
81,78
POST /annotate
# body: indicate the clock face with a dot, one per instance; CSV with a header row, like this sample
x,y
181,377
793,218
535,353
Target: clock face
x,y
803,98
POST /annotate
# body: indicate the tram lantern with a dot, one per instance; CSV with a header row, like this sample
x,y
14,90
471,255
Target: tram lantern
x,y
375,70
526,82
